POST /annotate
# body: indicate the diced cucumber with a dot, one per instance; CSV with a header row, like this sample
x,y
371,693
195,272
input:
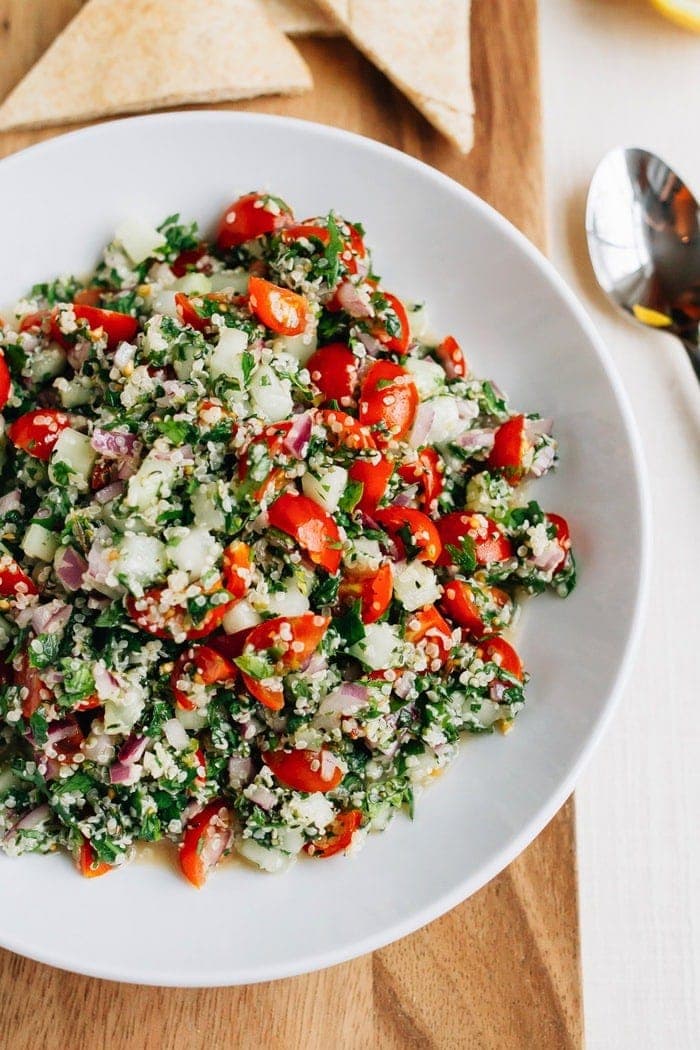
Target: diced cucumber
x,y
326,488
76,391
45,364
289,602
6,633
139,239
235,281
226,357
428,375
154,478
381,647
75,451
164,303
192,284
447,423
141,561
271,396
39,543
207,512
416,585
271,860
194,552
299,346
239,617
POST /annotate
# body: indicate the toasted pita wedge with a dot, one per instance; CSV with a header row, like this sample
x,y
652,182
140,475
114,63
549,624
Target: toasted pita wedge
x,y
423,47
135,55
300,18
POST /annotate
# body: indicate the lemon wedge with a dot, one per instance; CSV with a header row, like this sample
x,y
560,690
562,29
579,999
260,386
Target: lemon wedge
x,y
685,12
653,318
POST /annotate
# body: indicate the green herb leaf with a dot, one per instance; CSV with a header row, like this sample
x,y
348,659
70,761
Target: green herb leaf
x,y
349,625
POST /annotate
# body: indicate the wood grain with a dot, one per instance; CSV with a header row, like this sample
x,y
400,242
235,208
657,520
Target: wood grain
x,y
502,970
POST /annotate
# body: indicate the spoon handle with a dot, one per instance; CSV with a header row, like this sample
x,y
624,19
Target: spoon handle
x,y
693,349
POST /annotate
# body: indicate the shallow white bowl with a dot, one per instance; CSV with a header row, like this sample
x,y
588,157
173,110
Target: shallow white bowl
x,y
485,283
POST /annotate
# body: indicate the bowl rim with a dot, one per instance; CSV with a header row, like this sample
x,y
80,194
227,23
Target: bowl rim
x,y
467,886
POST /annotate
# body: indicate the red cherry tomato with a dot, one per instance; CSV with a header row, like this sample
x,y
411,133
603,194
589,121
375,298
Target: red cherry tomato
x,y
452,359
277,308
497,650
563,537
333,369
404,523
5,382
236,568
273,438
427,472
430,630
307,771
344,431
45,321
311,526
459,603
204,666
188,260
207,838
306,231
340,836
13,579
117,327
36,432
509,448
33,691
88,864
248,217
399,342
171,621
373,590
88,297
490,542
188,307
374,478
388,401
290,642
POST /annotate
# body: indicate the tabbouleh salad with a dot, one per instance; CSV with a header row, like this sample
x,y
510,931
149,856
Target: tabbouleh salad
x,y
261,535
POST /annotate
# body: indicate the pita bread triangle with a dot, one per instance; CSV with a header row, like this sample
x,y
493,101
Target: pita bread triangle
x,y
300,17
423,47
135,55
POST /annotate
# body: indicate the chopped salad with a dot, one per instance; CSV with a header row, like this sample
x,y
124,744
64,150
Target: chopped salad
x,y
261,538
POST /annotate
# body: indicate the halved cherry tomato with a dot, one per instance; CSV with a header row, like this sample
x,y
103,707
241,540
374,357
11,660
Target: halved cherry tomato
x,y
205,666
174,620
279,309
207,838
498,651
303,770
117,327
388,401
509,448
236,568
89,703
563,537
188,260
45,321
248,217
311,526
13,579
490,542
339,837
427,472
5,382
344,431
333,369
452,359
374,478
404,524
188,309
36,432
354,249
33,691
428,626
458,602
88,864
399,342
372,589
273,437
290,642
307,231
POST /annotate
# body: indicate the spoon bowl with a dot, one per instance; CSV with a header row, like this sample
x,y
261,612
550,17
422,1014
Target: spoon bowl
x,y
643,230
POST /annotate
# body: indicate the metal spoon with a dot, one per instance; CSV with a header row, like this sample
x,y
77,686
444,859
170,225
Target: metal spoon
x,y
643,228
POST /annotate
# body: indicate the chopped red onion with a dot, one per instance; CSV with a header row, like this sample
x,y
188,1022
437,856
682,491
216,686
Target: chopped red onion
x,y
106,683
317,663
347,699
406,498
115,444
476,440
50,618
425,416
550,558
240,771
10,501
534,428
542,461
120,773
33,819
403,685
467,409
78,354
297,440
497,690
132,750
99,561
58,731
110,492
350,300
262,797
371,345
71,568
176,734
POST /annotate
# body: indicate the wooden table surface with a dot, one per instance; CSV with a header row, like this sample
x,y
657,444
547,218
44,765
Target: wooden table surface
x,y
502,970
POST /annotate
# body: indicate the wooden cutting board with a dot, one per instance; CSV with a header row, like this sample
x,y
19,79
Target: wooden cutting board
x,y
502,970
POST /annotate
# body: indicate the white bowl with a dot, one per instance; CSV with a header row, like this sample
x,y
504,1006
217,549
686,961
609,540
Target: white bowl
x,y
519,323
